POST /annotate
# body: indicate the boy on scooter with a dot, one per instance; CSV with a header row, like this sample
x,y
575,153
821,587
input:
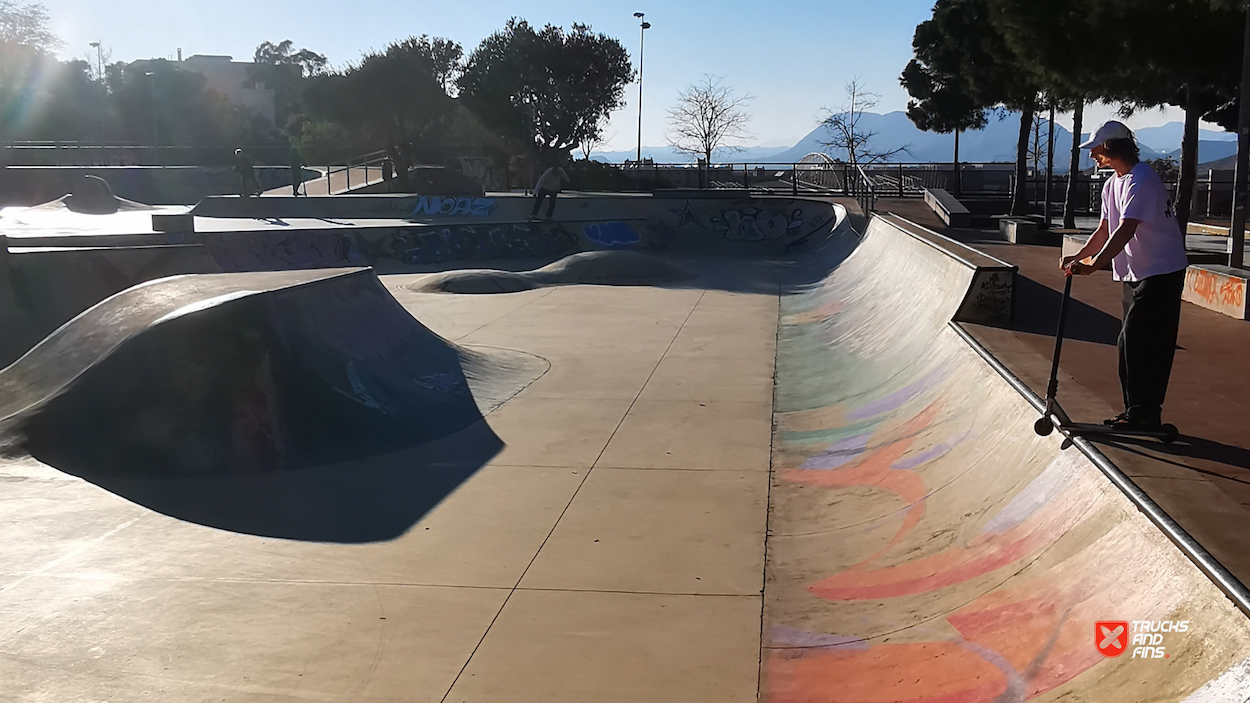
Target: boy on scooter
x,y
1138,238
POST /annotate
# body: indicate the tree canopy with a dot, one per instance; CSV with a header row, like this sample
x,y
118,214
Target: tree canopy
x,y
545,91
964,65
1137,53
390,99
284,70
27,23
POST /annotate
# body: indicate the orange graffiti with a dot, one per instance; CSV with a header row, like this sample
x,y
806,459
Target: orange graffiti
x,y
1233,292
1216,289
1203,283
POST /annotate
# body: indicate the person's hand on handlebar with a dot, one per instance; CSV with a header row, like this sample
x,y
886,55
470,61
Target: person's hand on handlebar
x,y
1072,266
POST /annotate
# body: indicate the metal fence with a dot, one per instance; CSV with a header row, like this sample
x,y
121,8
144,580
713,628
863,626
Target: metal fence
x,y
824,176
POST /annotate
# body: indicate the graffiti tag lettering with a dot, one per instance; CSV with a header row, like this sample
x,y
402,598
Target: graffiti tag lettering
x,y
453,207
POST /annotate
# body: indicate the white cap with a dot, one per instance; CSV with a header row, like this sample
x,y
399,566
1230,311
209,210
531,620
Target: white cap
x,y
1109,130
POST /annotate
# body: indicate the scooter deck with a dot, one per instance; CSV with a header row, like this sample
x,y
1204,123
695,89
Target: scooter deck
x,y
1167,433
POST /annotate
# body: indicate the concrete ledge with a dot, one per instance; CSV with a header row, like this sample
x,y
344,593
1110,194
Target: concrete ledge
x,y
1018,231
1072,243
990,298
173,223
1200,228
947,207
1218,288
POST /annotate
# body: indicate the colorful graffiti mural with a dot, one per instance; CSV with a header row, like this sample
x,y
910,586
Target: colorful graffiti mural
x,y
928,547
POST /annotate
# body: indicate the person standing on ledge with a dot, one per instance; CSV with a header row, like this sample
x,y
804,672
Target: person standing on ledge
x,y
248,185
548,186
1138,238
297,170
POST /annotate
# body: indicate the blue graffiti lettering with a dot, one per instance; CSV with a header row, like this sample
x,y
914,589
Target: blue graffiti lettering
x,y
435,205
612,234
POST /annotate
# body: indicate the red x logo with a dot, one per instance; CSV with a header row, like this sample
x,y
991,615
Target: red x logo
x,y
1111,637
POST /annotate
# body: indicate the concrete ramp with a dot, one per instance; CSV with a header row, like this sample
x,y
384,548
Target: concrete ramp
x,y
245,374
926,546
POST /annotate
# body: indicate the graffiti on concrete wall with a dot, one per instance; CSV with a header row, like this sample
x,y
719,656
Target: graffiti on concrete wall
x,y
484,171
268,250
432,245
989,299
453,207
750,224
612,234
1215,290
415,245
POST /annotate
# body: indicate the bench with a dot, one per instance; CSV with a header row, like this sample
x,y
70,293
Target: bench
x,y
947,207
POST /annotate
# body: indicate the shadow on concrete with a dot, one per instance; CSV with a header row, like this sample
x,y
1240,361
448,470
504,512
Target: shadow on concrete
x,y
1185,447
1037,312
367,500
302,405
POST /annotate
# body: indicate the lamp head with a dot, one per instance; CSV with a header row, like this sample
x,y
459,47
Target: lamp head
x,y
639,15
94,45
646,25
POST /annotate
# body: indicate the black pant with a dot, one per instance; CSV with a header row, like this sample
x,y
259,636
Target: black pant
x,y
1152,314
538,201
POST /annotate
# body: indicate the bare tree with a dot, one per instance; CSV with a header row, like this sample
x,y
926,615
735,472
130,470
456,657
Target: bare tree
x,y
707,118
846,133
1037,150
592,140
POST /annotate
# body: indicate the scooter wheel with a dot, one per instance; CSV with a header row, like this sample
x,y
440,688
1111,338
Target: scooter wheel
x,y
1170,434
1044,426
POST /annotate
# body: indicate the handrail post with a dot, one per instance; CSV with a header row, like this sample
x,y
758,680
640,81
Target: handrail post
x,y
900,181
794,178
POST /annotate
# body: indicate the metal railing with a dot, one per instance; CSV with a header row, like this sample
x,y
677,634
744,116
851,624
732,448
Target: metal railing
x,y
865,192
365,162
818,174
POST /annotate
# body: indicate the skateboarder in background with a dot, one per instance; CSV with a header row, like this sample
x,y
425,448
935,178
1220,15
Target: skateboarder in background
x,y
548,186
297,170
1138,238
248,184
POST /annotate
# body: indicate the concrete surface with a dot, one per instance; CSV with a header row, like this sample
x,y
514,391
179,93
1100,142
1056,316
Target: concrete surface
x,y
544,576
913,540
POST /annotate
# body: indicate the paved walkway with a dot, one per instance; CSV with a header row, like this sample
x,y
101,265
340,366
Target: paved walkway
x,y
612,552
1203,481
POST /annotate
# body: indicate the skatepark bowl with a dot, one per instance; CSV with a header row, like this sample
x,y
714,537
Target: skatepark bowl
x,y
346,449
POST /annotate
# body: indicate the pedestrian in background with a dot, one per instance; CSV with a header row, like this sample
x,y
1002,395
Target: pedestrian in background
x,y
248,185
297,170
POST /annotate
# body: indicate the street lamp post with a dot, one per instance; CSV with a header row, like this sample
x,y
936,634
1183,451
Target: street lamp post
x,y
156,134
99,72
1237,230
642,39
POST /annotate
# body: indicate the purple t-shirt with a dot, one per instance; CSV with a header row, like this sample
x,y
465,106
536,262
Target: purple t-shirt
x,y
1158,246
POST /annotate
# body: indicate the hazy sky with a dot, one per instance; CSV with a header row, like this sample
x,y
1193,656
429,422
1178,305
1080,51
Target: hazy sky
x,y
793,56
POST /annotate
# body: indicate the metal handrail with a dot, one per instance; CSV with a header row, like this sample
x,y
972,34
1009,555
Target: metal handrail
x,y
1190,547
365,161
867,195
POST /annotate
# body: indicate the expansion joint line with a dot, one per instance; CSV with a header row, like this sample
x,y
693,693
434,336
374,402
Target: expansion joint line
x,y
569,504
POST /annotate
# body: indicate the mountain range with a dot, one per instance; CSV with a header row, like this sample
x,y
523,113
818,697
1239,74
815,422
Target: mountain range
x,y
996,142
